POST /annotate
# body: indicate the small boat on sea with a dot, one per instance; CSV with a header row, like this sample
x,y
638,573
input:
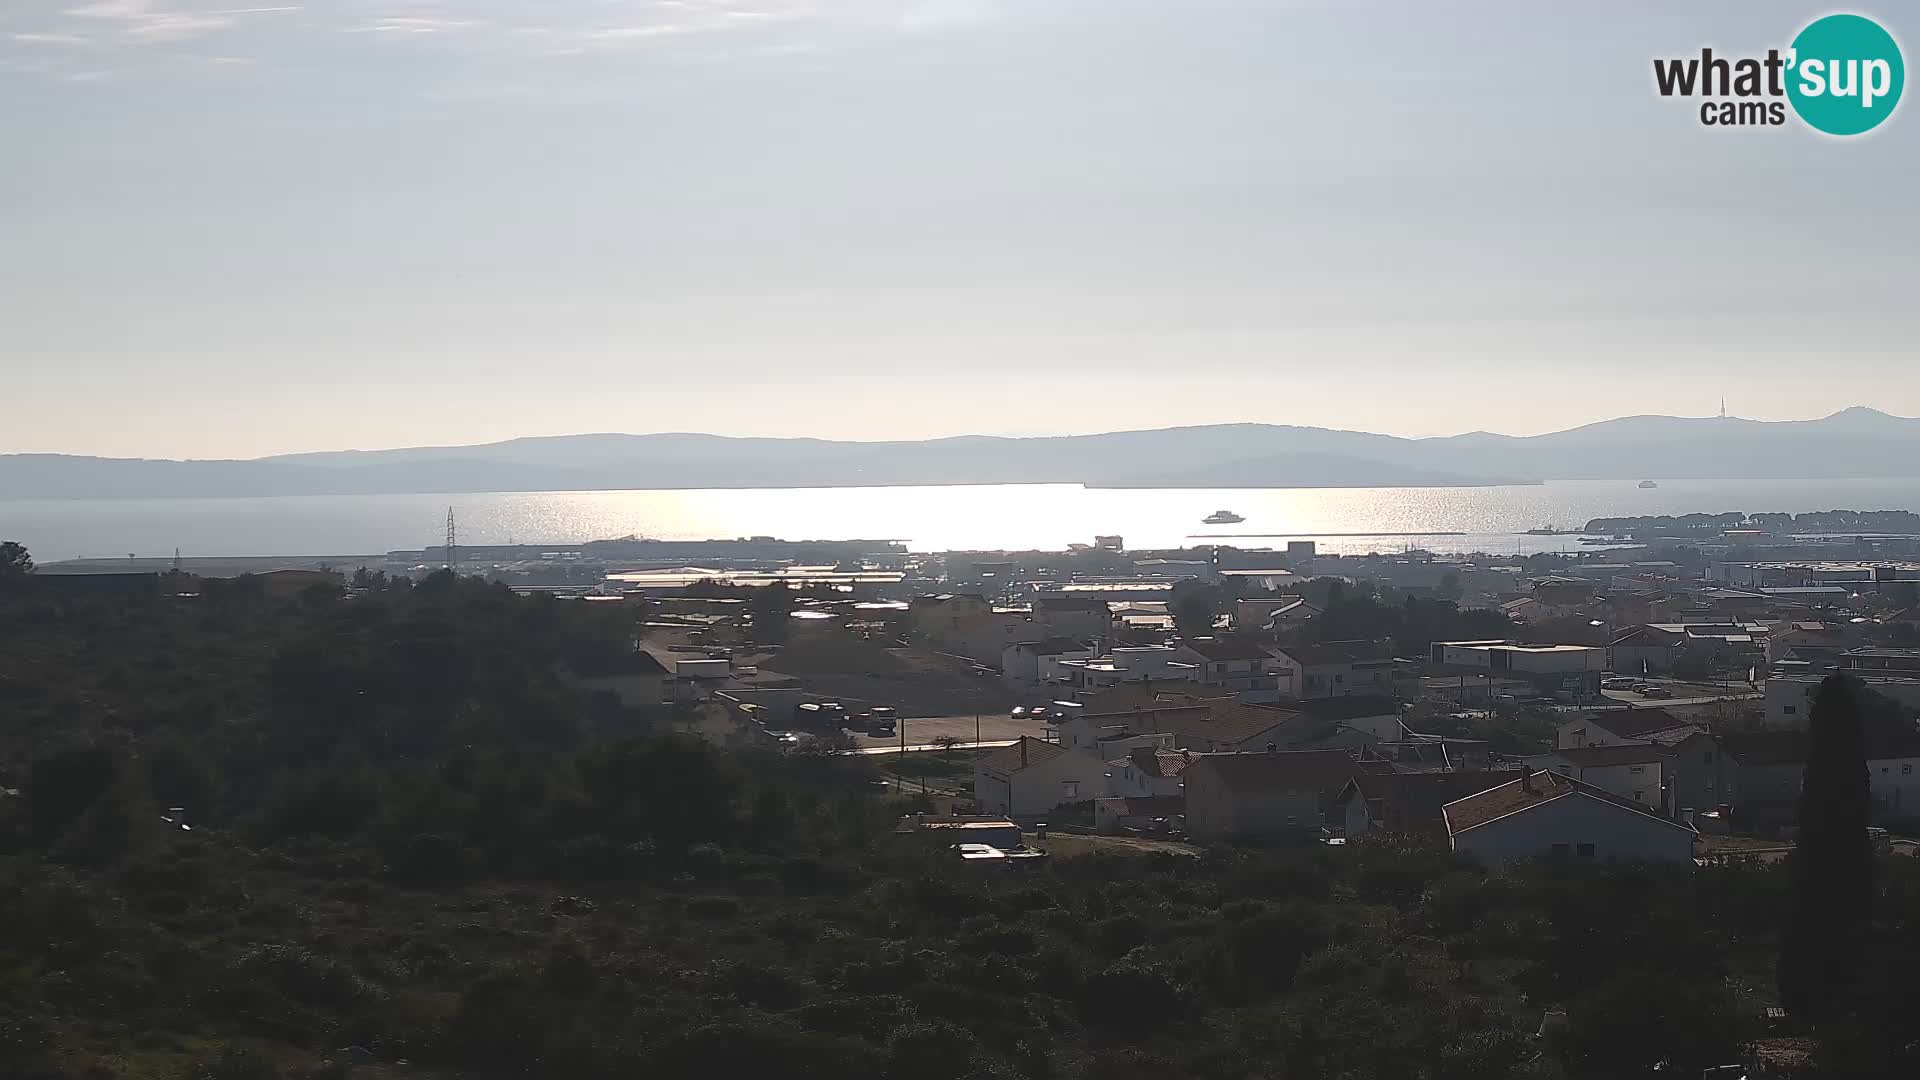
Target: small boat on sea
x,y
1648,484
1223,517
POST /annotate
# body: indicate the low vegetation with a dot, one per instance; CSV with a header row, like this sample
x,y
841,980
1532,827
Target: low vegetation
x,y
249,837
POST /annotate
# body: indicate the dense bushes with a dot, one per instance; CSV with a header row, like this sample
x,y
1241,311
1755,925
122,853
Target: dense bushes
x,y
449,869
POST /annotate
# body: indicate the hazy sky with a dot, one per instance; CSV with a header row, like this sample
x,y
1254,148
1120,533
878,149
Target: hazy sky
x,y
231,230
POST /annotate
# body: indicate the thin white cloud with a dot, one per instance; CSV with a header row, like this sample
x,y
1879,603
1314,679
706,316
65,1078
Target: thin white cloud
x,y
153,22
75,40
412,24
506,32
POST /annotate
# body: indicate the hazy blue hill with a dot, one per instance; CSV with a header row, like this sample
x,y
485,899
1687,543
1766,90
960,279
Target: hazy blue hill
x,y
1311,470
1856,442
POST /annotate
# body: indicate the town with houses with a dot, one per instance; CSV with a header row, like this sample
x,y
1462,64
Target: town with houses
x,y
1644,698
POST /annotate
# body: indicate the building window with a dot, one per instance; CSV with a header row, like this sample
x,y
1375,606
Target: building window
x,y
1070,788
1708,757
1788,709
1585,851
1906,769
1636,769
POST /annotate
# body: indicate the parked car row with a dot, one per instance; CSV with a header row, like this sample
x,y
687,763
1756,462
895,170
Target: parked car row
x,y
1051,711
832,716
1637,686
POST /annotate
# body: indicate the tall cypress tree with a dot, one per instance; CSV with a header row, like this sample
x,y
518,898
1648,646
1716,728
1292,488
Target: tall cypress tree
x,y
1822,943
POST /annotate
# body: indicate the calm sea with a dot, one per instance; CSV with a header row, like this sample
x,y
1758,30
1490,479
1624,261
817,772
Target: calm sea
x,y
926,518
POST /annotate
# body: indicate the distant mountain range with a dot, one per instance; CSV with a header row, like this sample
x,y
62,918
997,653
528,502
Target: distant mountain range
x,y
1856,442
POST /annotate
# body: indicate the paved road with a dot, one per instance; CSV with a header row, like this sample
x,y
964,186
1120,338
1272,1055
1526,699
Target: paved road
x,y
994,729
894,748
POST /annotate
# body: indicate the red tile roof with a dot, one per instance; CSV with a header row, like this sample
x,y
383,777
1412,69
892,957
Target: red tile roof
x,y
1339,652
1141,694
1158,762
1219,721
1261,770
1023,754
1622,754
1673,737
1228,647
1632,723
1419,797
1533,790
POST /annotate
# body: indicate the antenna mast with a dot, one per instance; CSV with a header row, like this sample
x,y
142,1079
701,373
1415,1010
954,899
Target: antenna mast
x,y
452,538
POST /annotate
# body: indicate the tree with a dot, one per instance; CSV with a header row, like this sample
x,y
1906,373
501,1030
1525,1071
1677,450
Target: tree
x,y
771,605
1194,605
1822,944
15,563
946,743
1906,595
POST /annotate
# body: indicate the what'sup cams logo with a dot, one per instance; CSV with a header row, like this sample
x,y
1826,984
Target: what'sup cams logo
x,y
1842,75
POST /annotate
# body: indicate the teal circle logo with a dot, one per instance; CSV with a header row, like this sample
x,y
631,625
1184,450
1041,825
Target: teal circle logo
x,y
1845,74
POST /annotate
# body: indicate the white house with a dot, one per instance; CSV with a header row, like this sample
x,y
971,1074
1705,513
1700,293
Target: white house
x,y
1147,772
1082,731
1145,663
1614,727
1026,663
1374,716
1643,650
1115,743
1574,669
1031,777
1631,771
1789,689
1233,662
1073,616
1544,815
1292,617
1335,668
1407,802
1264,793
1895,786
636,678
